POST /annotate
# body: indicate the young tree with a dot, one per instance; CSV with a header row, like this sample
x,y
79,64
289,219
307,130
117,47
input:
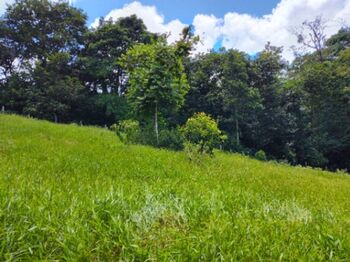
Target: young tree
x,y
156,78
203,131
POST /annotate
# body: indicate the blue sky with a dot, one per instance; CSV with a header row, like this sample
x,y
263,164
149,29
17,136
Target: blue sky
x,y
246,25
184,10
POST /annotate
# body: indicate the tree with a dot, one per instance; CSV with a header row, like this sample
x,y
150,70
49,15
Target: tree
x,y
58,88
39,43
326,87
157,82
7,52
51,92
312,35
275,126
338,42
104,45
239,98
220,86
187,42
36,29
202,130
204,74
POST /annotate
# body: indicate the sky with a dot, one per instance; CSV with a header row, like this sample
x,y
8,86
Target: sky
x,y
246,25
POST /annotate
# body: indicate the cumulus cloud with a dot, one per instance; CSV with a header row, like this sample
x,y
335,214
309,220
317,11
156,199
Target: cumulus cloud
x,y
153,20
241,31
209,29
250,34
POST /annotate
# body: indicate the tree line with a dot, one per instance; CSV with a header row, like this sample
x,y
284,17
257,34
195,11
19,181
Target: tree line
x,y
52,66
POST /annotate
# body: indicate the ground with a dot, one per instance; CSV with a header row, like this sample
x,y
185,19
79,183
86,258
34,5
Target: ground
x,y
77,193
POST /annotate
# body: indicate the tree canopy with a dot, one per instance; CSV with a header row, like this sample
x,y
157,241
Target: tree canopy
x,y
52,66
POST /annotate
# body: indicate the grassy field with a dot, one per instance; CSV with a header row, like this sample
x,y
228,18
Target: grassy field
x,y
77,193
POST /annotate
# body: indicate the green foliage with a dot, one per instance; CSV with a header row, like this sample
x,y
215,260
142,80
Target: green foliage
x,y
338,42
156,78
71,193
202,130
260,155
53,67
128,131
195,154
104,109
38,29
104,46
171,139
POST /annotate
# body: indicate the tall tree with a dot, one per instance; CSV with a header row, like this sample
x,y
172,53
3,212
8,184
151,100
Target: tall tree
x,y
326,87
272,133
156,78
103,46
204,73
240,99
51,91
43,37
312,35
40,28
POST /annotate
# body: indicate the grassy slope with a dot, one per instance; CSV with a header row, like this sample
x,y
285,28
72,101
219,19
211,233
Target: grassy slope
x,y
76,193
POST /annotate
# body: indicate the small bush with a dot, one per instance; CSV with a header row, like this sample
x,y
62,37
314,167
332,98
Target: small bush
x,y
261,155
128,131
194,153
171,139
202,130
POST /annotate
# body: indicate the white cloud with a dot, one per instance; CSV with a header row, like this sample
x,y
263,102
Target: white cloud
x,y
3,4
209,29
250,34
241,31
153,20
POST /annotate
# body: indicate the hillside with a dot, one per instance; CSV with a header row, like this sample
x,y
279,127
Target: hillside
x,y
77,193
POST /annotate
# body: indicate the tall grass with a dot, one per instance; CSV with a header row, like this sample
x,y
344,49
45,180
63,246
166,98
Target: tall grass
x,y
77,193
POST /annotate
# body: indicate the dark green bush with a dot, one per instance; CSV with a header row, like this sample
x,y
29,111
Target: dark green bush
x,y
261,155
171,139
128,131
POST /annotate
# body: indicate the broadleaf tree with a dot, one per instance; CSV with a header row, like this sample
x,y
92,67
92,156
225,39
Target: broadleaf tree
x,y
157,82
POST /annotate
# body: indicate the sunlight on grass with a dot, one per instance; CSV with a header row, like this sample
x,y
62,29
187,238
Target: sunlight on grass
x,y
77,193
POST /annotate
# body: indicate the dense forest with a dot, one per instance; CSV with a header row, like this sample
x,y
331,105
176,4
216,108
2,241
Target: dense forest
x,y
54,67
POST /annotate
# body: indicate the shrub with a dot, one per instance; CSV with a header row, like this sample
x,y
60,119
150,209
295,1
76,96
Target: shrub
x,y
171,139
128,131
260,155
202,130
193,153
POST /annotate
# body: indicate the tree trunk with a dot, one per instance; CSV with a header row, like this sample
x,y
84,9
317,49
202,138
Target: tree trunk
x,y
156,123
237,127
319,51
55,117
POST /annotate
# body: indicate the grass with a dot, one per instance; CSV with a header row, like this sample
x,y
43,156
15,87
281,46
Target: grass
x,y
78,194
